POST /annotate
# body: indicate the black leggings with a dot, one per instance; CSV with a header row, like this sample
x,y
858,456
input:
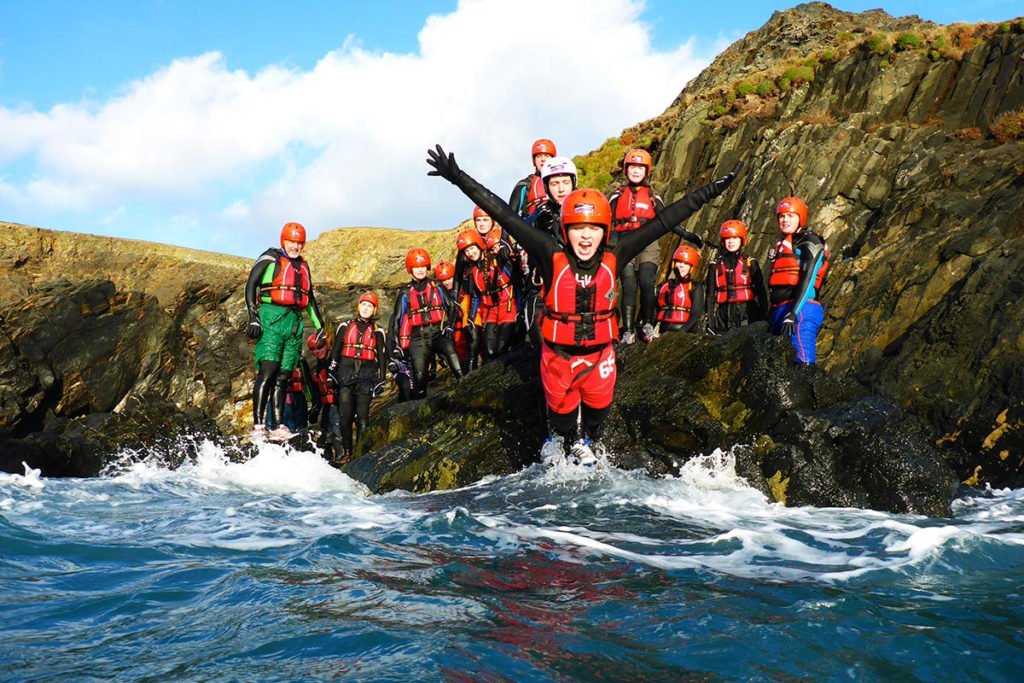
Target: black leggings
x,y
263,390
352,405
497,339
567,424
421,351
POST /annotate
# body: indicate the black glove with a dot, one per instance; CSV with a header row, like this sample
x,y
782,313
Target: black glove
x,y
397,353
788,324
444,164
393,368
719,184
255,329
449,332
314,413
332,381
378,389
321,336
697,240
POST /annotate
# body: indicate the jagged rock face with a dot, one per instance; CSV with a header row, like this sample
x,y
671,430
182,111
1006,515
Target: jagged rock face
x,y
925,228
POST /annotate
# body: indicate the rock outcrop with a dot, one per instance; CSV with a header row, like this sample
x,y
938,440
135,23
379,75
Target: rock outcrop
x,y
899,135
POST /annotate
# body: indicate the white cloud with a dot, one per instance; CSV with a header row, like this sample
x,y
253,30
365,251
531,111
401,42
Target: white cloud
x,y
344,143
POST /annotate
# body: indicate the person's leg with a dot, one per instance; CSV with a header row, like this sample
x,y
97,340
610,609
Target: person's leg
x,y
627,304
346,410
805,334
446,348
262,390
647,273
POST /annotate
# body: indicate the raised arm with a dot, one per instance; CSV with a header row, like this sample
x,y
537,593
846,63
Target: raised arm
x,y
675,213
537,244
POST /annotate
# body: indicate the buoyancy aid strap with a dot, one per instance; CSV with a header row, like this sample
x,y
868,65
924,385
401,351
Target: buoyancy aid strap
x,y
588,317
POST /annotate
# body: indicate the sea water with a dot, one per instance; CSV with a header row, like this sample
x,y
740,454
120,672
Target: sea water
x,y
282,568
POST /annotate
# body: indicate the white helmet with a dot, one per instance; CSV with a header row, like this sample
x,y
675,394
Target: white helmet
x,y
558,166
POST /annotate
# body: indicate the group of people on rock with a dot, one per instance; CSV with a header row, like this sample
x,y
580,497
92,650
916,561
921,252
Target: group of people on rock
x,y
559,267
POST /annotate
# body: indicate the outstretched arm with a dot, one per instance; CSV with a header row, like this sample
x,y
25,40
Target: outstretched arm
x,y
675,213
537,244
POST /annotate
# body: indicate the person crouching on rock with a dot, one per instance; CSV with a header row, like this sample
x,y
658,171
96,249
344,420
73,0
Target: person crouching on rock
x,y
578,320
736,294
421,325
278,290
357,370
799,266
680,297
327,409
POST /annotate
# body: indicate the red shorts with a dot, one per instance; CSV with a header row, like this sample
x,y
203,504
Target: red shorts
x,y
504,312
568,380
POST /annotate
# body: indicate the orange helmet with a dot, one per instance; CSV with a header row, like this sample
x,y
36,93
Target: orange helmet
x,y
469,238
686,254
445,270
734,228
492,237
371,297
316,341
586,206
479,213
416,257
640,157
293,232
543,146
793,205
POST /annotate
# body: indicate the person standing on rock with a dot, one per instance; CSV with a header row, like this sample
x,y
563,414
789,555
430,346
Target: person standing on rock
x,y
358,363
578,322
634,203
327,411
798,268
530,190
421,325
736,293
278,290
681,297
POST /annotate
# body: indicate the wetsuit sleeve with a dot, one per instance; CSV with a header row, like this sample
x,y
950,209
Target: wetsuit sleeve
x,y
631,244
539,245
812,259
760,290
710,304
313,311
339,342
308,385
252,284
518,199
397,316
382,359
697,310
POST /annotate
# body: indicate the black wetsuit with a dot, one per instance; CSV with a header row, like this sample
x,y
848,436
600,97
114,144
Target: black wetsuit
x,y
426,340
356,380
722,317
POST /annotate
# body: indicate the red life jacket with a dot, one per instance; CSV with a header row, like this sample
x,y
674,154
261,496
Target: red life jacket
x,y
733,286
536,191
291,286
634,206
360,346
786,265
428,310
492,281
322,387
295,384
675,302
577,314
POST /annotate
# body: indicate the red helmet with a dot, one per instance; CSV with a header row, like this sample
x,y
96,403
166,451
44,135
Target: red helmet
x,y
371,297
444,271
543,146
492,237
586,206
479,213
293,232
686,254
640,157
416,257
469,238
734,228
793,205
316,341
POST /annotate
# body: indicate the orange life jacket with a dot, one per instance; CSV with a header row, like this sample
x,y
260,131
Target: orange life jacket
x,y
291,286
733,286
786,265
536,191
322,386
360,346
675,302
295,384
428,310
633,207
577,313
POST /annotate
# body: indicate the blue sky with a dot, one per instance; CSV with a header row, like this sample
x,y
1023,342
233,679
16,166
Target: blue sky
x,y
209,124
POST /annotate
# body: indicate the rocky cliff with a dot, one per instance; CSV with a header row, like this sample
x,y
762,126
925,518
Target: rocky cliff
x,y
904,138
